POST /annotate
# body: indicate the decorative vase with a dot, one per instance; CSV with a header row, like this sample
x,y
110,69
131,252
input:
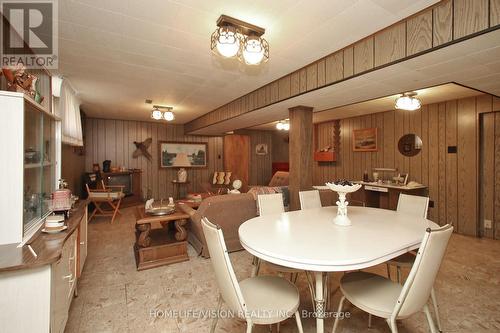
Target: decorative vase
x,y
182,175
342,219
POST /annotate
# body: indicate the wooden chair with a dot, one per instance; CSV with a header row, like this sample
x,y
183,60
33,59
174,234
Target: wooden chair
x,y
108,194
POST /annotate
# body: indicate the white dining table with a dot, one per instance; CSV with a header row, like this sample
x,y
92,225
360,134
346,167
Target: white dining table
x,y
309,240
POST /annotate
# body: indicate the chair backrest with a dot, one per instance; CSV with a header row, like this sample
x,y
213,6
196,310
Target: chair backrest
x,y
224,274
413,204
270,204
417,288
309,199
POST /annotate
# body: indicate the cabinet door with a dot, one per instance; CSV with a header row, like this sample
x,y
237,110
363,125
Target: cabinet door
x,y
60,288
82,255
72,246
63,284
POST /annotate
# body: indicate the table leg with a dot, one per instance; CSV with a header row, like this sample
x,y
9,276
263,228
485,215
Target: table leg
x,y
320,302
144,240
181,233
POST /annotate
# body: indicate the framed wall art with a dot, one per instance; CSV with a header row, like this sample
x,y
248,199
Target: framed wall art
x,y
174,154
364,139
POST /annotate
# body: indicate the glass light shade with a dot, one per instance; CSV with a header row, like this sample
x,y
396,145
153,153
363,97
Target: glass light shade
x,y
227,41
156,114
254,50
408,103
279,126
168,115
286,126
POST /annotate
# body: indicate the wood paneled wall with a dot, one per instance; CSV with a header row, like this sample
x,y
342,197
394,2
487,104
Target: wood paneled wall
x,y
72,168
280,146
452,179
113,140
446,22
490,174
260,165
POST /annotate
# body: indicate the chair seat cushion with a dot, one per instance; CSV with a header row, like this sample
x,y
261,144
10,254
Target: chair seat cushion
x,y
371,293
269,299
404,260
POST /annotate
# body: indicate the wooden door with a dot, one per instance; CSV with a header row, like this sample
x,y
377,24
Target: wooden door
x,y
237,157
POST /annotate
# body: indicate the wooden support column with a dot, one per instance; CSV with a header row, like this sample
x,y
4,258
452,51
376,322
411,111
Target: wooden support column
x,y
301,152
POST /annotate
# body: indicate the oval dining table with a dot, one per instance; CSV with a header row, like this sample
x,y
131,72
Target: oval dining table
x,y
309,240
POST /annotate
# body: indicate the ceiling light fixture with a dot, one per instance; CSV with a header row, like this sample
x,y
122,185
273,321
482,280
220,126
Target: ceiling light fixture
x,y
283,125
168,115
157,114
234,37
408,101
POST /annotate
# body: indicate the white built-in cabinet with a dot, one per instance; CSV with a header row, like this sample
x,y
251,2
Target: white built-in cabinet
x,y
46,292
31,144
35,298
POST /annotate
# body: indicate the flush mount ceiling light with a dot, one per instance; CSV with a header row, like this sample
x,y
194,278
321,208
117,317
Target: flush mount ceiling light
x,y
168,115
236,38
283,125
157,114
408,101
255,50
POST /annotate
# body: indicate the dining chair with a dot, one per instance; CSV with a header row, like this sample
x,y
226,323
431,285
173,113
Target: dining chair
x,y
261,300
309,199
272,204
381,297
412,205
417,206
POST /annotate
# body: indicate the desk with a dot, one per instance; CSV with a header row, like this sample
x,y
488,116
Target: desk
x,y
309,240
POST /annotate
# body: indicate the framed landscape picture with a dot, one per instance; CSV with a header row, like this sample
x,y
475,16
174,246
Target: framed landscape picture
x,y
175,154
364,139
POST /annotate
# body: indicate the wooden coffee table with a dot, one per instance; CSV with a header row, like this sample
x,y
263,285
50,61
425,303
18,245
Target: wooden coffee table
x,y
160,240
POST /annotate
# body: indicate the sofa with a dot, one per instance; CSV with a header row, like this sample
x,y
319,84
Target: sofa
x,y
228,211
278,184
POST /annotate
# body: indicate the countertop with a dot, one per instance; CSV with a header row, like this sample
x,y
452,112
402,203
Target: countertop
x,y
398,187
48,247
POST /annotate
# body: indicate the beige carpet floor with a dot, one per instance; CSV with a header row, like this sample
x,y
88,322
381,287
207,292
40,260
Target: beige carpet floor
x,y
115,297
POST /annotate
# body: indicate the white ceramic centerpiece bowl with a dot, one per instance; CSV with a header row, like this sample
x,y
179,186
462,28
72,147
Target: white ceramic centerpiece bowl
x,y
341,218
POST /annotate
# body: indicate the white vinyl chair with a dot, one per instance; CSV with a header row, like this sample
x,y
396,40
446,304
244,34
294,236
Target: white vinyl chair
x,y
309,199
417,206
384,298
272,204
262,300
412,205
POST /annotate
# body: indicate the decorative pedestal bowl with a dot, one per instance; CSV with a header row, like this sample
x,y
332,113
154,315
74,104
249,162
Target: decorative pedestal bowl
x,y
342,188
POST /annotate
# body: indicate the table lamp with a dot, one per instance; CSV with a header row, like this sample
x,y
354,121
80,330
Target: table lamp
x,y
181,161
